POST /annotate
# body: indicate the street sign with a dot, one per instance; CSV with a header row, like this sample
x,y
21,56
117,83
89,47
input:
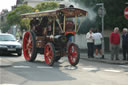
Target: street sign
x,y
126,12
101,11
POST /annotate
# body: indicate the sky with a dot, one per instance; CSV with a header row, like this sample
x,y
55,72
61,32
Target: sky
x,y
6,4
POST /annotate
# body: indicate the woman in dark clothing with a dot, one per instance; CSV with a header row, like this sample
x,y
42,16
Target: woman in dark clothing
x,y
125,44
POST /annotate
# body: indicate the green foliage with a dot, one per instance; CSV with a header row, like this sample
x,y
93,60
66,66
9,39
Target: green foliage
x,y
115,14
47,6
25,23
14,17
4,27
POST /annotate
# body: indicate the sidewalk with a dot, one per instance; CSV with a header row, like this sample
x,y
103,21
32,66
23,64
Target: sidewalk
x,y
107,58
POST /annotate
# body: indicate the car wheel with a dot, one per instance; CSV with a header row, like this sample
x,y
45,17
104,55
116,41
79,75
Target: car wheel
x,y
19,54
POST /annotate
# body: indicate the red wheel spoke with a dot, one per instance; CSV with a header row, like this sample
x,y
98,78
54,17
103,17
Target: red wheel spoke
x,y
26,49
26,39
30,46
50,57
74,54
49,54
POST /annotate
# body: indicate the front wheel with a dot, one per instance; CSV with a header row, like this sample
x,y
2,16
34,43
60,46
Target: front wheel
x,y
49,54
29,46
73,54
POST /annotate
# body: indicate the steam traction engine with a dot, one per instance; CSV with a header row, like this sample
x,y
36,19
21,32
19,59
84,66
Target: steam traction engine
x,y
50,34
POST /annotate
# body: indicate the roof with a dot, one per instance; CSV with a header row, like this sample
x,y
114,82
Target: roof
x,y
68,12
5,34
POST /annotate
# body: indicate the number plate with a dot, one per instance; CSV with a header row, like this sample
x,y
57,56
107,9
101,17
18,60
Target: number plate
x,y
11,49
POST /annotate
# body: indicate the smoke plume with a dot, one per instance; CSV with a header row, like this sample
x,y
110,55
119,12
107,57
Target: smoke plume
x,y
91,14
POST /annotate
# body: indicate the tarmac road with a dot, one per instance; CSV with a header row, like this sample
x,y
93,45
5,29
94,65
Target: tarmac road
x,y
16,71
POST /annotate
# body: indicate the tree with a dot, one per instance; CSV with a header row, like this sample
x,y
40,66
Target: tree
x,y
114,13
47,6
14,17
25,23
4,27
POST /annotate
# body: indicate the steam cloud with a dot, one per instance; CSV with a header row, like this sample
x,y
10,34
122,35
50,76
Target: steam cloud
x,y
91,14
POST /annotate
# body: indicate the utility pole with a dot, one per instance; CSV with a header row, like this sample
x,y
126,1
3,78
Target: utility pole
x,y
102,12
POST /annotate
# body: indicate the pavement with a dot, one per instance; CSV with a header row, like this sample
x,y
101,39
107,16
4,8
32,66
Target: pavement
x,y
107,59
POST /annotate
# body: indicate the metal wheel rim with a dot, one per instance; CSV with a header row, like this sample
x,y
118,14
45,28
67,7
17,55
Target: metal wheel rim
x,y
48,54
72,53
27,46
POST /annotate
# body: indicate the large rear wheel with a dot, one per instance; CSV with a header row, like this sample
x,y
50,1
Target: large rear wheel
x,y
73,54
29,46
49,54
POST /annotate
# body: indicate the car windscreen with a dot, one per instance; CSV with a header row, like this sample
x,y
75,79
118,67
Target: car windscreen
x,y
7,38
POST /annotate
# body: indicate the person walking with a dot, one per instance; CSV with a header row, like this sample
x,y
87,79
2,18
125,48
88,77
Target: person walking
x,y
97,36
125,44
90,43
115,43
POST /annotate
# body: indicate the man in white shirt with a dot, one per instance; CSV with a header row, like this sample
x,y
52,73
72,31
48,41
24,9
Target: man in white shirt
x,y
97,37
90,43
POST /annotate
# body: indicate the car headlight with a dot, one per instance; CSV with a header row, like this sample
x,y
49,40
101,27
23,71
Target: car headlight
x,y
18,46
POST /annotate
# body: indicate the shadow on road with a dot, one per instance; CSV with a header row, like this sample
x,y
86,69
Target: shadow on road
x,y
39,71
9,55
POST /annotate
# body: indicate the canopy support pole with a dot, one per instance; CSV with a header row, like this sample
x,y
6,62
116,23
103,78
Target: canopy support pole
x,y
75,23
59,24
54,26
64,23
81,21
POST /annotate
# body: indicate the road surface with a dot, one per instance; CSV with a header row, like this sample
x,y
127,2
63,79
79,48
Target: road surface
x,y
16,71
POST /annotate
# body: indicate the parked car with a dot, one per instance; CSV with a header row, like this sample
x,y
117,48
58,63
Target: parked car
x,y
9,44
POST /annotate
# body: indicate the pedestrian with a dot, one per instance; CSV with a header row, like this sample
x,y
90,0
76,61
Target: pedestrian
x,y
18,35
115,43
125,44
97,36
23,33
90,43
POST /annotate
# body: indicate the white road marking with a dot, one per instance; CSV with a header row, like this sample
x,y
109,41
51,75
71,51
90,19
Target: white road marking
x,y
124,66
21,66
90,68
116,71
44,67
70,67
